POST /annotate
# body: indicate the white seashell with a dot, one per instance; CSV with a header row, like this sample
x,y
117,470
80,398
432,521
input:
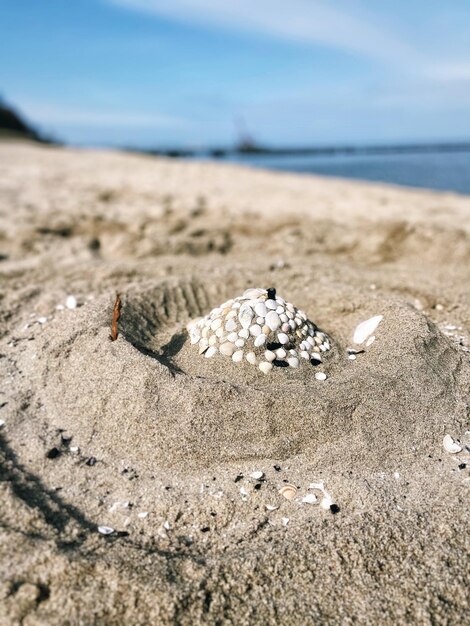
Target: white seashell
x,y
245,315
260,341
326,502
450,445
269,356
231,314
290,307
283,317
232,337
370,341
271,507
320,376
285,328
315,357
293,361
255,330
311,341
251,357
320,486
265,367
365,329
231,325
212,340
310,498
283,338
272,320
293,352
210,352
244,493
292,324
285,521
227,349
266,330
220,332
280,310
194,335
271,304
105,530
217,323
288,491
258,475
237,356
260,320
244,333
71,302
281,353
260,309
240,343
352,357
304,354
253,293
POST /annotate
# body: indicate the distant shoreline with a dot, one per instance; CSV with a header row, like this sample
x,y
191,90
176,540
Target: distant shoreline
x,y
320,151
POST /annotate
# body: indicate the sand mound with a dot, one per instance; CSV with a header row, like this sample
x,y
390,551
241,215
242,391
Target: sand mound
x,y
150,398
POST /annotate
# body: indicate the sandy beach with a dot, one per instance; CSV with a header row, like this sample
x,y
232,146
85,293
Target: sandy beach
x,y
125,473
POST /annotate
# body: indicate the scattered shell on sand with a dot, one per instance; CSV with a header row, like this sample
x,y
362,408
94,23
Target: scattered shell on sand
x,y
262,328
366,329
288,491
450,445
105,530
310,498
320,376
258,475
71,302
285,521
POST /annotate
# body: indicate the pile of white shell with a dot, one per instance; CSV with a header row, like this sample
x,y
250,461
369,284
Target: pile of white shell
x,y
262,328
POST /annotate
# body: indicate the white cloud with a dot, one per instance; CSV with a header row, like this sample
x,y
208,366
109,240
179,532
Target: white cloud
x,y
450,72
304,21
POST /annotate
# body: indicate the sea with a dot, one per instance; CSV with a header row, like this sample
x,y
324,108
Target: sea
x,y
443,171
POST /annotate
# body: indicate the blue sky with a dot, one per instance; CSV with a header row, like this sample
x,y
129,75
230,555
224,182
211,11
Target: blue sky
x,y
180,72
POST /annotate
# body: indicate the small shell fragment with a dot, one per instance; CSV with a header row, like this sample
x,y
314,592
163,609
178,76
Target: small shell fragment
x,y
450,445
71,302
288,491
258,475
271,507
310,498
365,329
320,376
105,530
265,367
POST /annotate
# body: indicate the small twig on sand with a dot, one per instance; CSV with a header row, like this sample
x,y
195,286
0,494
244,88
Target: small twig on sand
x,y
116,315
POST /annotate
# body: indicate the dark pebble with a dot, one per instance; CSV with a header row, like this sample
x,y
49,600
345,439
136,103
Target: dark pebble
x,y
205,529
277,468
53,453
238,478
334,508
91,461
462,466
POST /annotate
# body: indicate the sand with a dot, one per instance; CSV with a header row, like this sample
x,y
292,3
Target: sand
x,y
144,436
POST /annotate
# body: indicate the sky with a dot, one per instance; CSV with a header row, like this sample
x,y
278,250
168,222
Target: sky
x,y
190,73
